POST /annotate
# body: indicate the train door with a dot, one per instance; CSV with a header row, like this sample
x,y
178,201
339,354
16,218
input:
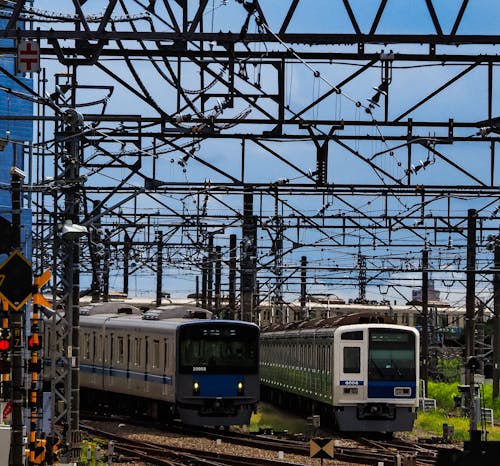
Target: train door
x,y
350,357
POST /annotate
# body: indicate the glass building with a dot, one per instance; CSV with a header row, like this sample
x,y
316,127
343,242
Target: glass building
x,y
16,137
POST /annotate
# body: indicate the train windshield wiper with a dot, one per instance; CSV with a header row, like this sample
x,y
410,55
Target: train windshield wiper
x,y
374,364
396,367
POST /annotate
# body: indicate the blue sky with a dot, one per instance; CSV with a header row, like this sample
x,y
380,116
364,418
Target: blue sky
x,y
465,100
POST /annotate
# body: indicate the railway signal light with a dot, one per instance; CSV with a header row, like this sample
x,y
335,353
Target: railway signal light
x,y
34,342
4,342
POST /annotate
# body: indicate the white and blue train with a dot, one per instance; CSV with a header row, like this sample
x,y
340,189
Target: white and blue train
x,y
170,362
357,372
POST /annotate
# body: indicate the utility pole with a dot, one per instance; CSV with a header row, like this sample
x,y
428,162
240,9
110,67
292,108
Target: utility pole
x,y
16,329
232,276
496,318
159,267
472,364
362,277
303,289
218,272
127,247
425,319
278,263
64,372
210,273
248,258
470,297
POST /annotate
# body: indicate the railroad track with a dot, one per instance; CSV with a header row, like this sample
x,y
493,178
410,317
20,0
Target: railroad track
x,y
369,452
162,455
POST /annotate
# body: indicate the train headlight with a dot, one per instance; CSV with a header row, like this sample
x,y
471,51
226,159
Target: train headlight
x,y
196,388
240,386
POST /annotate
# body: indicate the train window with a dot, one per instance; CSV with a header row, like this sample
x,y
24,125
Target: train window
x,y
156,354
352,363
137,351
391,354
165,356
218,348
357,335
128,351
94,343
105,349
121,351
100,349
111,349
444,320
86,346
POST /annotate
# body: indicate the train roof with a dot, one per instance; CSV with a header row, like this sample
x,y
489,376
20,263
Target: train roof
x,y
136,321
109,308
333,322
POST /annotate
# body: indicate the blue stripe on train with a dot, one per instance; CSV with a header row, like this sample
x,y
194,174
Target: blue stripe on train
x,y
165,379
218,384
385,389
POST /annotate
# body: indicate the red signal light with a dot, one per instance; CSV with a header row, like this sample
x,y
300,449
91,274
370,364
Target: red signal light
x,y
4,345
34,342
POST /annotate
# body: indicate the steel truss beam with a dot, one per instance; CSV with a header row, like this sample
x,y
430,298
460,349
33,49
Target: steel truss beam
x,y
356,146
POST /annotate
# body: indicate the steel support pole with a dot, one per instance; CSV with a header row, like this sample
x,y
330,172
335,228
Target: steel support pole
x,y
303,287
470,297
159,267
16,328
218,271
232,276
496,319
424,369
71,245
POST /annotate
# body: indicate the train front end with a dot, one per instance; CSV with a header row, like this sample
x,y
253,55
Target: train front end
x,y
376,381
218,372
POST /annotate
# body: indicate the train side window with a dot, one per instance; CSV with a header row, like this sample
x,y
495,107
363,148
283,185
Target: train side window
x,y
165,355
357,335
111,348
94,343
100,353
352,360
105,351
156,354
129,352
120,355
137,351
86,346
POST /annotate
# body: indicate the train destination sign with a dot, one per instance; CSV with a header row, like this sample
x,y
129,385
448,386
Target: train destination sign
x,y
16,280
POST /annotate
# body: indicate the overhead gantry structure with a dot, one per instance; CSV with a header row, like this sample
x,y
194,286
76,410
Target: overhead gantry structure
x,y
271,152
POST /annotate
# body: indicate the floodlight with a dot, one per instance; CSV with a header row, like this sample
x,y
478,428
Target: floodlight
x,y
73,231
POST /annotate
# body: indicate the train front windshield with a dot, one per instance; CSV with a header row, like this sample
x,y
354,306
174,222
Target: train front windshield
x,y
218,349
391,355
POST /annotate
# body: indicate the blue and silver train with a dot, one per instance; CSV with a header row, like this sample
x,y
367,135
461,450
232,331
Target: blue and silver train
x,y
169,362
357,372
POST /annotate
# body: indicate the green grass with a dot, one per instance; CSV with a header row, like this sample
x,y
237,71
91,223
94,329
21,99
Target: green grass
x,y
443,393
447,413
432,422
271,417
